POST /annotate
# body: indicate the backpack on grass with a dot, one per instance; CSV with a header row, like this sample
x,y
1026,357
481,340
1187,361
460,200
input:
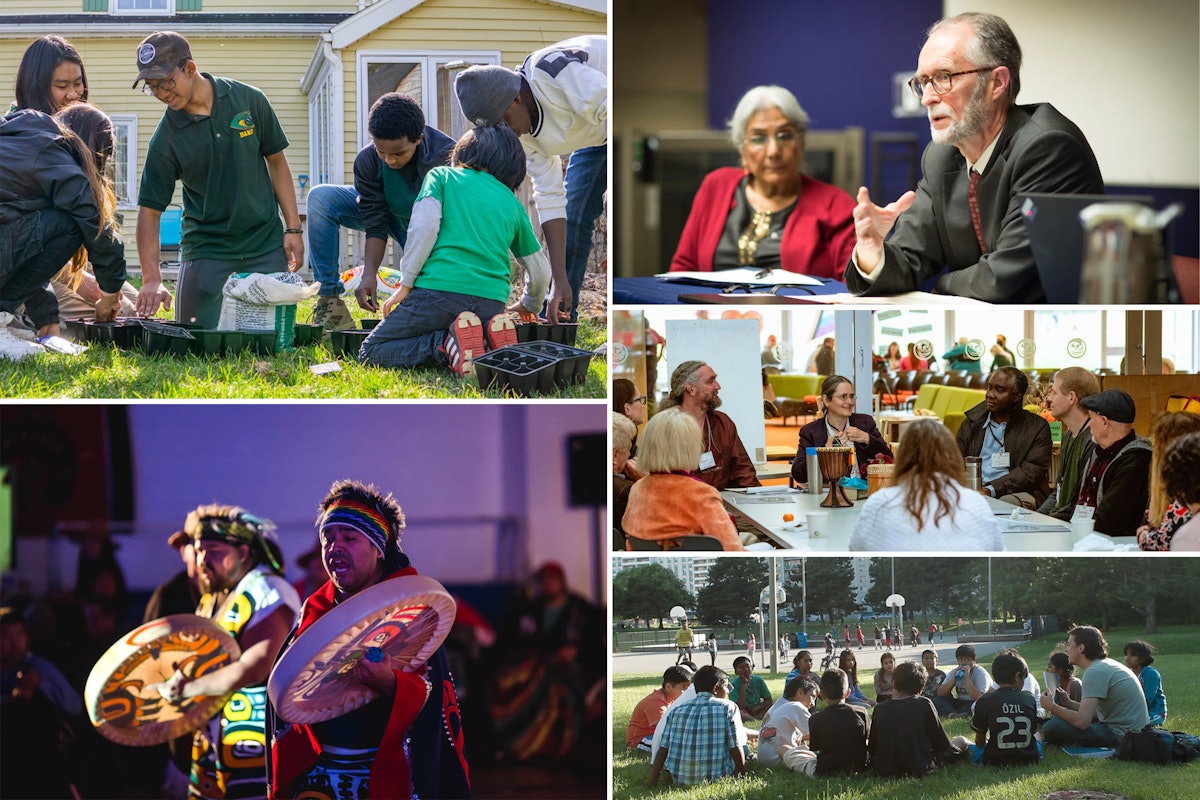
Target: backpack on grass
x,y
1159,746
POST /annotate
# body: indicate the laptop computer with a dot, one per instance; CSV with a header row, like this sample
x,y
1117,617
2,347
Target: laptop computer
x,y
1056,239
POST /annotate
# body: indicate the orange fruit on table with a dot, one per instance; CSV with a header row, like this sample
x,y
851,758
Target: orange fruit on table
x,y
788,517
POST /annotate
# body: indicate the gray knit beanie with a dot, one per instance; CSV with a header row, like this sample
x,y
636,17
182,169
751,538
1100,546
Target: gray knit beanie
x,y
485,91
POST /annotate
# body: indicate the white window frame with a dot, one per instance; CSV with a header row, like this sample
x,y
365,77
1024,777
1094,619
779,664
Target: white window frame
x,y
429,61
325,149
114,9
126,125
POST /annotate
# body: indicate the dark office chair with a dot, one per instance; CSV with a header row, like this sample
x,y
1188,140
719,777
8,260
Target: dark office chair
x,y
698,541
642,544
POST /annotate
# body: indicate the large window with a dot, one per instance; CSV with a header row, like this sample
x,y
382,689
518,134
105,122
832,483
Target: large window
x,y
142,6
426,76
124,162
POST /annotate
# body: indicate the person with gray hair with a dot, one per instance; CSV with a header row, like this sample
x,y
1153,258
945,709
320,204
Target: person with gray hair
x,y
986,152
669,502
557,102
724,462
767,213
623,431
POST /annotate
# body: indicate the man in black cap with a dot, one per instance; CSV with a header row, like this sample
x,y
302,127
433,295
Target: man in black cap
x,y
557,102
221,138
1115,489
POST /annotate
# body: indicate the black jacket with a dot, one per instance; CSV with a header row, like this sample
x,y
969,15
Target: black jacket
x,y
434,151
1028,443
815,434
39,171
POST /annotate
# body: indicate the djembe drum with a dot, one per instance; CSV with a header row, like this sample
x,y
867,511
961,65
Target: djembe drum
x,y
835,465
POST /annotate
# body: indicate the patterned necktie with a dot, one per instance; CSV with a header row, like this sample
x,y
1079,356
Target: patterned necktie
x,y
973,199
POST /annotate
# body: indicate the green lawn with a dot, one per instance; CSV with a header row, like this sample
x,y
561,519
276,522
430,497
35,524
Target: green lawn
x,y
106,372
1178,648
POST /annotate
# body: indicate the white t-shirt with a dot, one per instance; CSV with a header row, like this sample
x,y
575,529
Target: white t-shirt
x,y
790,720
885,524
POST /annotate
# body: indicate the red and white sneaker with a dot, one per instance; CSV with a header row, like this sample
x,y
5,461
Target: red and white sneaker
x,y
463,342
501,332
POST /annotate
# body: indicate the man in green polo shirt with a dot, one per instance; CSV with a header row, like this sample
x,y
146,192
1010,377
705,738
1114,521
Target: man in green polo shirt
x,y
221,138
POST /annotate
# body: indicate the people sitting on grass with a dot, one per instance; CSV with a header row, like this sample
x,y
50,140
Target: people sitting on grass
x,y
749,691
1112,704
700,742
907,738
1060,677
1115,488
455,271
1014,444
884,678
934,677
849,664
1139,656
784,731
838,732
963,686
639,734
1005,721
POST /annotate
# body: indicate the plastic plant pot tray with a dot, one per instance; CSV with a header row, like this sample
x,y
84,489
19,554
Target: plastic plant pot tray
x,y
125,333
509,369
562,333
369,323
346,343
264,343
572,363
160,338
304,335
207,343
532,332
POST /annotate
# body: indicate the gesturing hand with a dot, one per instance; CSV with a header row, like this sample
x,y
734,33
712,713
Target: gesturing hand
x,y
872,224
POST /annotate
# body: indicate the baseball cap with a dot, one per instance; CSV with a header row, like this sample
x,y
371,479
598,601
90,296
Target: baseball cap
x,y
159,54
1112,403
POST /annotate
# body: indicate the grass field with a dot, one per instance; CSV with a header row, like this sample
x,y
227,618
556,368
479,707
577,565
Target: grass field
x,y
106,372
1178,650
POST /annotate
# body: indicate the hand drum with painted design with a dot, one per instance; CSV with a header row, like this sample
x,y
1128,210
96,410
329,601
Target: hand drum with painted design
x,y
118,703
407,618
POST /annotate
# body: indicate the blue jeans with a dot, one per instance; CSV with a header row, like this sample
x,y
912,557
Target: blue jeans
x,y
1059,731
331,207
413,334
586,182
41,244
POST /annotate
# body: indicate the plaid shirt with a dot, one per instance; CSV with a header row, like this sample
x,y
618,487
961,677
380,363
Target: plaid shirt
x,y
698,737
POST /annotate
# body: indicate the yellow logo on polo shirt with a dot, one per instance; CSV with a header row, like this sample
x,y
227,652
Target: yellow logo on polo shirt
x,y
244,124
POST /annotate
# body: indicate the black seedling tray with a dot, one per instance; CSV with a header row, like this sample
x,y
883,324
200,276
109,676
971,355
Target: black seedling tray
x,y
510,369
347,343
572,363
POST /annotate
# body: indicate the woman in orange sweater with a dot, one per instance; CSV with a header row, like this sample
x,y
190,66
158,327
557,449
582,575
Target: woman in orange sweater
x,y
670,501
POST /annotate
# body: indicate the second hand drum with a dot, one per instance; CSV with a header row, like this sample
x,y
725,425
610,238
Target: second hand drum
x,y
400,620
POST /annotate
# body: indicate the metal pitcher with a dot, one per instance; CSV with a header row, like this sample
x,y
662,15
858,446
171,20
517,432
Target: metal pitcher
x,y
1124,261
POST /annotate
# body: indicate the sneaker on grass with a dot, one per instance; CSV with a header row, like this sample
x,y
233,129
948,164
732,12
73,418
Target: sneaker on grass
x,y
15,348
332,314
501,332
463,343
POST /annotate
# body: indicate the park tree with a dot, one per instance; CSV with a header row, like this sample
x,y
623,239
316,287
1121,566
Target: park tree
x,y
732,591
648,591
830,587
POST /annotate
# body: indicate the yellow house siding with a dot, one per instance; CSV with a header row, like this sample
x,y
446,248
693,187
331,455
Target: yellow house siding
x,y
514,27
207,6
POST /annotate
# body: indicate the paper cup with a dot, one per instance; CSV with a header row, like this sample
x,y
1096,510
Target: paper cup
x,y
1082,528
817,523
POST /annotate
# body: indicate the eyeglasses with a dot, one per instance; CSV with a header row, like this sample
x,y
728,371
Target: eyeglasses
x,y
783,138
639,400
845,397
165,85
942,82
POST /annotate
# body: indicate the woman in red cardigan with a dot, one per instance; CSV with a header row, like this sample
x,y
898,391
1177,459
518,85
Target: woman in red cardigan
x,y
768,213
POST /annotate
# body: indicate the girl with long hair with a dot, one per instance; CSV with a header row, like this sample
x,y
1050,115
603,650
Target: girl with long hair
x,y
50,76
929,508
1166,514
848,664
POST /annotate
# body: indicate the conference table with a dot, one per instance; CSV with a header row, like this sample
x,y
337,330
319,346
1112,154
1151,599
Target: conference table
x,y
764,508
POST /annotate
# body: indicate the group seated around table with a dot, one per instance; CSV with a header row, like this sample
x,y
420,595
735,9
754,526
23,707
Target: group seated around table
x,y
902,735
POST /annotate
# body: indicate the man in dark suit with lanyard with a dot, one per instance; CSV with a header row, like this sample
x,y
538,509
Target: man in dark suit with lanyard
x,y
986,152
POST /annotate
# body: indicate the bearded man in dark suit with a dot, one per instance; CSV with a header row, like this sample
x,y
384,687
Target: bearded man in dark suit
x,y
986,152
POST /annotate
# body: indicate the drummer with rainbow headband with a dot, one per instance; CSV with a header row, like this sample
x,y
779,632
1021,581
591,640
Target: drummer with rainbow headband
x,y
241,576
407,741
